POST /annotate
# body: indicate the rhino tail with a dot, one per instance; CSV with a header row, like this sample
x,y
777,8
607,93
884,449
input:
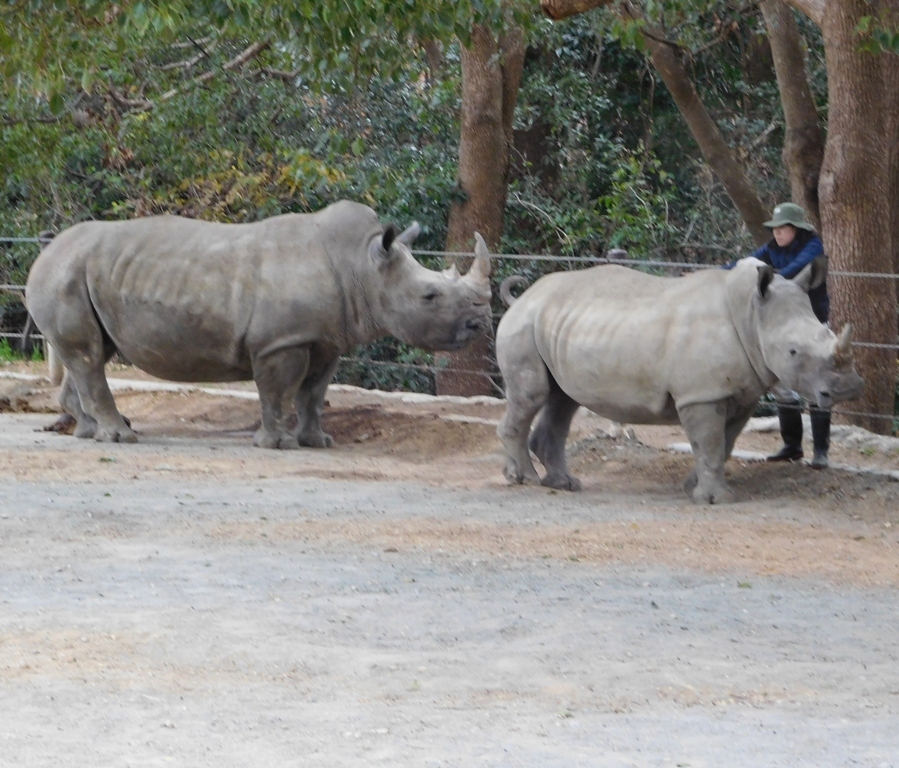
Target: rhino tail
x,y
505,288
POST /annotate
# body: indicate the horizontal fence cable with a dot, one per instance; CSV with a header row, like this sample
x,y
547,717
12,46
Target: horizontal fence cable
x,y
628,261
592,260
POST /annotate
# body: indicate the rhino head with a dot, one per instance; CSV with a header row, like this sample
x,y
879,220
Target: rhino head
x,y
425,308
804,354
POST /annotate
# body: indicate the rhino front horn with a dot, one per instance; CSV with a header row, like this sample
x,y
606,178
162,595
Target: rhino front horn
x,y
843,348
480,267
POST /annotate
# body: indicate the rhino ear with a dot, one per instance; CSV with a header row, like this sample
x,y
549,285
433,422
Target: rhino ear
x,y
804,278
766,275
380,246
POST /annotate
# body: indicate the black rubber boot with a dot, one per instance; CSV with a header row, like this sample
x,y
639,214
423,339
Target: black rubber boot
x,y
791,431
820,436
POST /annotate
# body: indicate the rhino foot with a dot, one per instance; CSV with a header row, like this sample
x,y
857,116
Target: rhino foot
x,y
713,495
85,427
283,442
562,481
320,440
690,482
516,477
121,434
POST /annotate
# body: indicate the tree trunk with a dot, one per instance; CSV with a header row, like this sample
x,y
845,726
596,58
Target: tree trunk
x,y
803,150
491,76
855,205
891,106
711,143
891,103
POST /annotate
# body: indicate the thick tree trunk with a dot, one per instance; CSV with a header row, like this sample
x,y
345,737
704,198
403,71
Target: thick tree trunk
x,y
711,143
891,106
803,150
491,76
855,205
891,102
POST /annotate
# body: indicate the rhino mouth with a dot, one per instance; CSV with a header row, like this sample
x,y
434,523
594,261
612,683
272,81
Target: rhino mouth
x,y
827,398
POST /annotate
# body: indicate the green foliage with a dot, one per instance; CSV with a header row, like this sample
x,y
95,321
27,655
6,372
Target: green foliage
x,y
115,111
9,354
6,353
877,36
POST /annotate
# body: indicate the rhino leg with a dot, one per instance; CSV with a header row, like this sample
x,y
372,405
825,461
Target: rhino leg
x,y
732,431
547,440
278,374
310,402
706,428
85,393
85,426
527,390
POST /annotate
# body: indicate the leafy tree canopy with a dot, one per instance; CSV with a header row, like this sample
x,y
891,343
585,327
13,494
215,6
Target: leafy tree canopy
x,y
54,41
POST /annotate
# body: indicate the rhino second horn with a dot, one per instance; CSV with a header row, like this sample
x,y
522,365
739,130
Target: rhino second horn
x,y
408,235
480,267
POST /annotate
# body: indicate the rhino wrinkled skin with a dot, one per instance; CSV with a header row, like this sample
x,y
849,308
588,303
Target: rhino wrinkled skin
x,y
699,349
277,301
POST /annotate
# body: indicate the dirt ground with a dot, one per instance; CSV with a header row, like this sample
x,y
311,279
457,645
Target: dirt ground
x,y
192,600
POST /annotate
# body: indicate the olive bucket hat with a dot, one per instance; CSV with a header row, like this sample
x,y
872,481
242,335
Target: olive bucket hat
x,y
789,213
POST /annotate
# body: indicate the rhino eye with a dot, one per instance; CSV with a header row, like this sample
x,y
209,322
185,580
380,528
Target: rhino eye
x,y
430,295
792,351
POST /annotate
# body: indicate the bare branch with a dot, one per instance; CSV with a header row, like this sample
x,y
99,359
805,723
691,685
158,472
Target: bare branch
x,y
249,53
188,63
191,43
280,74
123,101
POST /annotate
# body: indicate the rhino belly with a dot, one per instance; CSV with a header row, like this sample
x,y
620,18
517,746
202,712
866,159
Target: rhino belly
x,y
178,344
605,371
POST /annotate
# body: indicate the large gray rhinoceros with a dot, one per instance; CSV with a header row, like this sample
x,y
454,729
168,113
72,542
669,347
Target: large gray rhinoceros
x,y
277,301
699,349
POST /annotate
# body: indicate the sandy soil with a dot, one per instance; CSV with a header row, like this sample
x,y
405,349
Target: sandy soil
x,y
192,600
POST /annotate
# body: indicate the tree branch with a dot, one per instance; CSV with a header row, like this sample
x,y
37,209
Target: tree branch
x,y
188,63
250,52
562,9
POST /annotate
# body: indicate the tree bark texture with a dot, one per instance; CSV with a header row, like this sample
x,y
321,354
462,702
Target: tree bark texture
x,y
891,106
855,205
803,150
714,148
491,76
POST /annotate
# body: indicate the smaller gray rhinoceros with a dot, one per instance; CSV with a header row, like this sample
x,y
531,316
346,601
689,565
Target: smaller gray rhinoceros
x,y
699,349
276,301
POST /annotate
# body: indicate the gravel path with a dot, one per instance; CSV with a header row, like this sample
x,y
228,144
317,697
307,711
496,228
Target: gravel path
x,y
153,613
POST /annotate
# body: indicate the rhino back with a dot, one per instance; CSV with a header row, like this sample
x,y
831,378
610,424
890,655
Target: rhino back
x,y
631,345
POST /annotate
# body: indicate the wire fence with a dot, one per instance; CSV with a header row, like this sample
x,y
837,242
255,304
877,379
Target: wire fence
x,y
493,373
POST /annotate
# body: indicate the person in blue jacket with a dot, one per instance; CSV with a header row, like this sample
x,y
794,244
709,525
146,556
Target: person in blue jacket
x,y
793,246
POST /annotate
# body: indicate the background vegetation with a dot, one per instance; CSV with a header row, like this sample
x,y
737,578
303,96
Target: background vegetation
x,y
602,158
